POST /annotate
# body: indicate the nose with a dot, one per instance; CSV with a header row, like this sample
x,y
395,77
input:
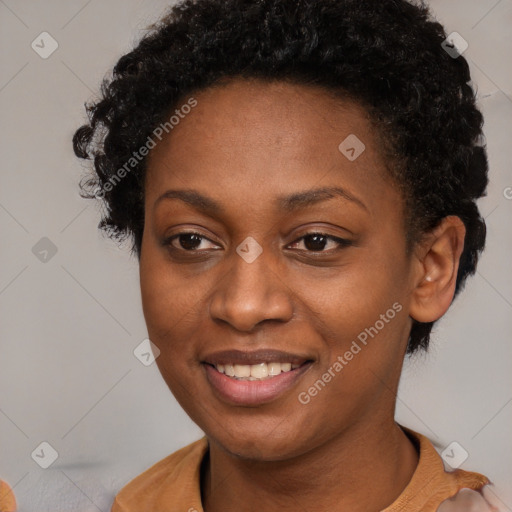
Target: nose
x,y
251,293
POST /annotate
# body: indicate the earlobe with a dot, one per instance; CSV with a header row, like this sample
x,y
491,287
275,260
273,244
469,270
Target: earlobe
x,y
437,264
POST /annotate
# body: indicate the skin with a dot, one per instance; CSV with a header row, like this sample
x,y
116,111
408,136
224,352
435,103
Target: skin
x,y
243,145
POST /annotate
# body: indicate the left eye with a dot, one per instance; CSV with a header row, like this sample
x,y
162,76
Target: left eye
x,y
314,242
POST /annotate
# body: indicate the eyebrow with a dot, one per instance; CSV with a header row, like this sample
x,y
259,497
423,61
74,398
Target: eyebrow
x,y
288,203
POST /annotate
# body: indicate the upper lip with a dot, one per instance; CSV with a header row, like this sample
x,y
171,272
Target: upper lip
x,y
254,357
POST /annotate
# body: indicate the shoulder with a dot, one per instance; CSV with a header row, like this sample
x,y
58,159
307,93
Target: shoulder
x,y
437,487
470,500
175,475
475,493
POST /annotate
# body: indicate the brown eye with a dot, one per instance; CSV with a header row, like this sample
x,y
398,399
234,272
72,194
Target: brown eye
x,y
316,242
187,241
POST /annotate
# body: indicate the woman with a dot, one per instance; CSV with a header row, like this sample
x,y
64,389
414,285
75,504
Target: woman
x,y
299,179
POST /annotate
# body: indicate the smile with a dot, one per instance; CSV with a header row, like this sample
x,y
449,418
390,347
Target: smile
x,y
243,389
253,372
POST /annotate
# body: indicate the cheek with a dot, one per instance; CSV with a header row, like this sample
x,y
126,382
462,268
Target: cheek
x,y
348,299
169,314
167,302
360,312
361,361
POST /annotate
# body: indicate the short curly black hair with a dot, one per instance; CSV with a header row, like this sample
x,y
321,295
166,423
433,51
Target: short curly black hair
x,y
385,54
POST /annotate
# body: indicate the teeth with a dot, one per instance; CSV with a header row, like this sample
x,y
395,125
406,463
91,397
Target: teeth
x,y
255,371
242,370
259,371
274,368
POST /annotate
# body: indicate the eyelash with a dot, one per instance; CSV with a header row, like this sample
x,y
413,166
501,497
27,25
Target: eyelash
x,y
342,242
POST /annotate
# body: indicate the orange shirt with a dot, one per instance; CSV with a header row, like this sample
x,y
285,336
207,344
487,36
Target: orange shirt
x,y
7,500
173,485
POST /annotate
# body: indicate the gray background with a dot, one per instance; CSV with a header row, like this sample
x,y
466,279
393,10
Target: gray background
x,y
68,328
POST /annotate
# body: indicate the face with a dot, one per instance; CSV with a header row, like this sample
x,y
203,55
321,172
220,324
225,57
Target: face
x,y
303,295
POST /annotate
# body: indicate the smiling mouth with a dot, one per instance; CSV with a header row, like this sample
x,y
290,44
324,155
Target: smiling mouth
x,y
261,371
242,388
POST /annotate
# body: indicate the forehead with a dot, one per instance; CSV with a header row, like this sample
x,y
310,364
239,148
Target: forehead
x,y
255,138
252,114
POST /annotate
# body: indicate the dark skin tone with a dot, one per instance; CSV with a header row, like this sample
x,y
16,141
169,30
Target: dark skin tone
x,y
244,145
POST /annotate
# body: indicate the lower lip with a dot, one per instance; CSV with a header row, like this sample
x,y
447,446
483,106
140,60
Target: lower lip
x,y
253,392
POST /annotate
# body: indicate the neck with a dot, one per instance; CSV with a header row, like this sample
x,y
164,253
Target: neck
x,y
365,468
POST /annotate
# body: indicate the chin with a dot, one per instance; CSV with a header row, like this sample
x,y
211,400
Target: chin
x,y
258,444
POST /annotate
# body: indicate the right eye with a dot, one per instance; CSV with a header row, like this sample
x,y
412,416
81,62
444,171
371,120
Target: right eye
x,y
186,241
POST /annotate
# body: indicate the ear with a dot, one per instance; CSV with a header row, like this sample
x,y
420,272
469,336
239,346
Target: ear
x,y
436,266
